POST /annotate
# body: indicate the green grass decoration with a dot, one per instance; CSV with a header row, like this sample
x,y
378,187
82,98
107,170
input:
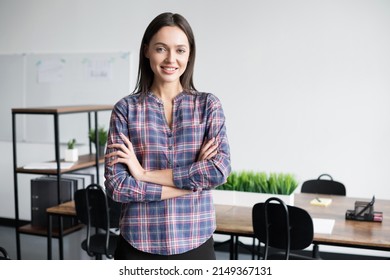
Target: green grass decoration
x,y
260,182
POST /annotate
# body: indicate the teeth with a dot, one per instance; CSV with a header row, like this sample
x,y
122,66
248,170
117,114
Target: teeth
x,y
170,69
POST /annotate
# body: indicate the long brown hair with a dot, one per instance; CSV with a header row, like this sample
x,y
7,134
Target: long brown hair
x,y
145,73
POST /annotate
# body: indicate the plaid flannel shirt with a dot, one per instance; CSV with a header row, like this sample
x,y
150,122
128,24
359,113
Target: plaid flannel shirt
x,y
176,225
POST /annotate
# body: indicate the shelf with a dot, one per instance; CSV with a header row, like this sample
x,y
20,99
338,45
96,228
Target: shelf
x,y
62,109
64,209
42,231
84,161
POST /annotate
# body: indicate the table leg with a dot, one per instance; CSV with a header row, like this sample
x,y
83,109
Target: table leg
x,y
253,248
231,247
61,238
315,253
49,235
236,247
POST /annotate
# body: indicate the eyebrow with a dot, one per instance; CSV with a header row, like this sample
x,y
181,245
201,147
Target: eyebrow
x,y
160,43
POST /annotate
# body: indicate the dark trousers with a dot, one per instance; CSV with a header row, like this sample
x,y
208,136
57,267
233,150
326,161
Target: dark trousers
x,y
124,251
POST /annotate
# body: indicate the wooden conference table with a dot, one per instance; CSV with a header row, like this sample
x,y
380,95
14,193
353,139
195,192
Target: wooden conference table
x,y
237,221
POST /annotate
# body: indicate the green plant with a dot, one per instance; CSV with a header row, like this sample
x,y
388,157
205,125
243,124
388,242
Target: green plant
x,y
102,134
71,144
260,182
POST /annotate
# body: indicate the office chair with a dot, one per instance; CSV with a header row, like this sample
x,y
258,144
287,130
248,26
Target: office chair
x,y
4,254
283,227
320,186
96,210
323,186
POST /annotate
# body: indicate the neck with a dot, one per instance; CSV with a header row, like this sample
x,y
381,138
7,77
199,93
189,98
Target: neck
x,y
167,91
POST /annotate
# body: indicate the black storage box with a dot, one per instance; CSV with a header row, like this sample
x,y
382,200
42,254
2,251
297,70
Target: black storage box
x,y
44,195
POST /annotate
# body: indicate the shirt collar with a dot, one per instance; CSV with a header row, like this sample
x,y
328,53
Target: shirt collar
x,y
176,99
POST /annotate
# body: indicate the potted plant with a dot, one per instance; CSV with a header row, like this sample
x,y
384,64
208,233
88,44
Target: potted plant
x,y
245,188
102,136
71,153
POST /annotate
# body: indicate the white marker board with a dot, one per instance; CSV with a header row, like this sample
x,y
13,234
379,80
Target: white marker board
x,y
60,79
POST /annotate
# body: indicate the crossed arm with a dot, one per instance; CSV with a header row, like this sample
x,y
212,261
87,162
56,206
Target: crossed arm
x,y
124,153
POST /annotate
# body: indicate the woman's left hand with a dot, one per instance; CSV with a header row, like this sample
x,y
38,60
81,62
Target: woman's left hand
x,y
208,150
124,153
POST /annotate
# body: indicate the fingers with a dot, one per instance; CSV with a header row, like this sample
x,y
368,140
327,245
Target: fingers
x,y
127,142
119,147
122,152
212,154
126,147
117,153
208,150
116,156
208,144
117,160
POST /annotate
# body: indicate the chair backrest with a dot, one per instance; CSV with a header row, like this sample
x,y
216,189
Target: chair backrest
x,y
92,206
321,186
96,210
282,226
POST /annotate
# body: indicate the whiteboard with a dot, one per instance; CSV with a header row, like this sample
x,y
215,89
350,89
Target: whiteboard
x,y
60,79
11,91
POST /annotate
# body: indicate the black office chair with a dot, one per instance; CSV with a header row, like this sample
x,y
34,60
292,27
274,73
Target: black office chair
x,y
320,186
4,253
282,227
96,210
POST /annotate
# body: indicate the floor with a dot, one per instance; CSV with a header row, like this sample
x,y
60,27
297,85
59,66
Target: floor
x,y
35,247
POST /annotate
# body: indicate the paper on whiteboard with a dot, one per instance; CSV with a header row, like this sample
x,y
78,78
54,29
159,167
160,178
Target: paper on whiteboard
x,y
98,69
50,71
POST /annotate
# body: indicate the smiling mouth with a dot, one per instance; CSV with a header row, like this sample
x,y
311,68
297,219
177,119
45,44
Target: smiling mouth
x,y
169,68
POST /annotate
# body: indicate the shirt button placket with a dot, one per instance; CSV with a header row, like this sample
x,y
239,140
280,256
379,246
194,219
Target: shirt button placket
x,y
170,149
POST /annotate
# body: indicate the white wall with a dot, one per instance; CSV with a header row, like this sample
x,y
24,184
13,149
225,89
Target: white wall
x,y
305,84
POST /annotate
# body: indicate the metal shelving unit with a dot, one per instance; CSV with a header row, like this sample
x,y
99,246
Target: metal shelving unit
x,y
85,161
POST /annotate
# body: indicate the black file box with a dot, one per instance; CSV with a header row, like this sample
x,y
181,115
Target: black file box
x,y
44,195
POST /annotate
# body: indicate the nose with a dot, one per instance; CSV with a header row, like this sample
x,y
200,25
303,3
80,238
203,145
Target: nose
x,y
170,57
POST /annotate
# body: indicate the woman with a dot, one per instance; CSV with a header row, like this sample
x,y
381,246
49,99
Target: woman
x,y
167,148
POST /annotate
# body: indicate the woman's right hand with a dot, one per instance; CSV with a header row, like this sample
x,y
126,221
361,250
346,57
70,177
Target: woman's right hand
x,y
208,150
124,153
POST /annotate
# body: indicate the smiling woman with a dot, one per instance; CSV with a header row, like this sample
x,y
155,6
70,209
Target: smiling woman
x,y
161,23
167,149
168,53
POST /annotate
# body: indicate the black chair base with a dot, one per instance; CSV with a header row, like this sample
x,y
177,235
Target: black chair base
x,y
4,253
